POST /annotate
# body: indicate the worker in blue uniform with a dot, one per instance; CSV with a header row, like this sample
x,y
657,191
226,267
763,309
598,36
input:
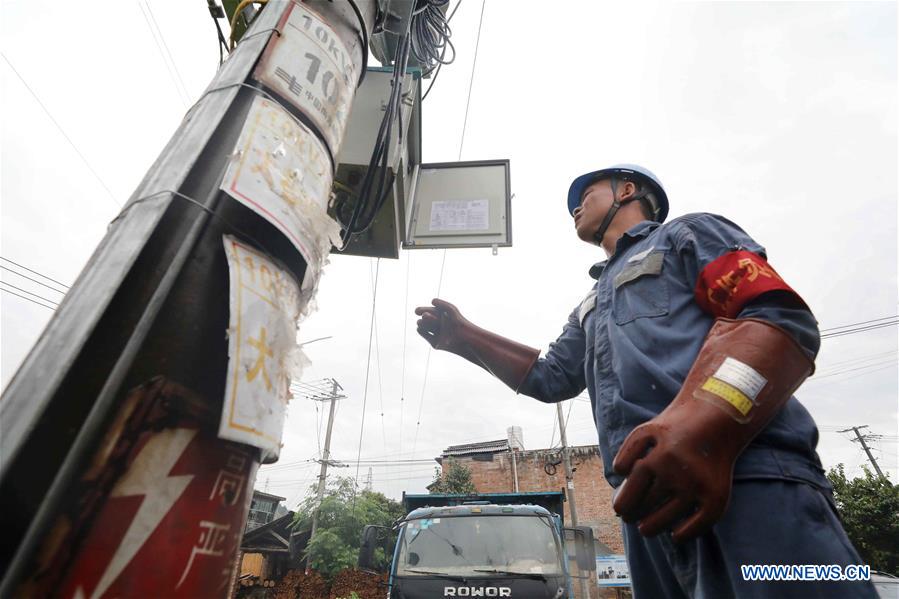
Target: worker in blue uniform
x,y
690,346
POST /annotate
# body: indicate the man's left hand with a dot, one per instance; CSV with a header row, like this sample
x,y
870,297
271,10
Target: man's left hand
x,y
679,465
674,472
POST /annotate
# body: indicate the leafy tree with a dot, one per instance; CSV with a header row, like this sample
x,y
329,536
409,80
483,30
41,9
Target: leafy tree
x,y
340,522
455,478
869,509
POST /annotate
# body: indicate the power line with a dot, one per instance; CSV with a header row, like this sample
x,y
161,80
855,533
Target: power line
x,y
844,379
860,329
845,370
405,337
40,297
855,324
27,299
474,63
441,63
865,358
371,334
378,370
167,51
162,54
33,271
62,131
18,274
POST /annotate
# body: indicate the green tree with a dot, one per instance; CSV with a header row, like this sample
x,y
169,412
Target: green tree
x,y
869,509
342,515
455,478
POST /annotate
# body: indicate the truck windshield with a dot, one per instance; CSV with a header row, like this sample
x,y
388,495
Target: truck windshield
x,y
463,545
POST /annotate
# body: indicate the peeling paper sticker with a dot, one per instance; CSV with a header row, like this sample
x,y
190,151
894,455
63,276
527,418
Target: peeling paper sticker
x,y
310,67
282,172
263,355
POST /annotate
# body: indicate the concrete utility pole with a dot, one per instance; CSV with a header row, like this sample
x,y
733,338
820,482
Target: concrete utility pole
x,y
569,486
148,387
326,456
514,469
861,439
566,462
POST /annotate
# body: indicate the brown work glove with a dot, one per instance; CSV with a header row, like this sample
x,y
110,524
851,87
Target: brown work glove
x,y
679,465
444,327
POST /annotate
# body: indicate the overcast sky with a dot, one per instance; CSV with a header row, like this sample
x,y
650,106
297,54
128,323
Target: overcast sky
x,y
781,116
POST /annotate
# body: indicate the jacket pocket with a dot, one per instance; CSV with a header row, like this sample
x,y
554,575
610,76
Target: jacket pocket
x,y
640,289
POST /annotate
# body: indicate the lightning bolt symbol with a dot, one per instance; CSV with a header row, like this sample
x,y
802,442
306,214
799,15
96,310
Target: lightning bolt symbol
x,y
148,476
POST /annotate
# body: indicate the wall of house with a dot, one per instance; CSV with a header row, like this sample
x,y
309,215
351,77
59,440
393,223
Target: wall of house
x,y
593,495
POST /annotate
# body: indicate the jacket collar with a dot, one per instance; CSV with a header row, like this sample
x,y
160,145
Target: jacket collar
x,y
638,231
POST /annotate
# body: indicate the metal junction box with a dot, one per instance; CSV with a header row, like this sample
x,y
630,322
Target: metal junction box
x,y
383,238
460,205
439,205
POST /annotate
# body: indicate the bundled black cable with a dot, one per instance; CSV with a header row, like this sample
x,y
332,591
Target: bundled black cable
x,y
427,39
375,187
431,35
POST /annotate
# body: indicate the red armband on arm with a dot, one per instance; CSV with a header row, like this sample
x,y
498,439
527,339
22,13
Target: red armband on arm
x,y
733,280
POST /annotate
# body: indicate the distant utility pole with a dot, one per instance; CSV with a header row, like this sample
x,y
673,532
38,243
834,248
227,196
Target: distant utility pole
x,y
569,485
331,397
861,439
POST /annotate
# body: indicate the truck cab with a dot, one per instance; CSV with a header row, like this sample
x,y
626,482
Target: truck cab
x,y
496,545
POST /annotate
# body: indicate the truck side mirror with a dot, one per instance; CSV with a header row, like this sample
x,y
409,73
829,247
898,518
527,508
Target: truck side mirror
x,y
585,547
372,539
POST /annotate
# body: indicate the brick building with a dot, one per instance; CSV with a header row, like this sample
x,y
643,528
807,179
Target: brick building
x,y
494,466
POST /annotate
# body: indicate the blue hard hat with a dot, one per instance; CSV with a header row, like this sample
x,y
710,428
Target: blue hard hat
x,y
631,172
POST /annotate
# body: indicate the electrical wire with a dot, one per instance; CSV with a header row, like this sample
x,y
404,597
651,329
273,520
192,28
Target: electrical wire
x,y
443,260
374,189
863,329
431,35
405,337
62,131
855,324
474,63
223,43
33,271
844,379
437,72
49,301
378,370
855,361
845,370
181,96
371,333
167,51
552,436
363,34
28,299
18,274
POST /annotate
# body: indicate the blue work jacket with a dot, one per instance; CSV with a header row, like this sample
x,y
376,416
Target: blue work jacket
x,y
635,336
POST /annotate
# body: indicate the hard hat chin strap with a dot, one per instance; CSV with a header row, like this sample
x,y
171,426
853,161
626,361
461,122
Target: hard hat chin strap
x,y
613,210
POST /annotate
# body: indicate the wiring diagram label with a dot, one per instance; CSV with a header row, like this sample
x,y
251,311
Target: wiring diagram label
x,y
460,215
265,306
311,68
281,171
